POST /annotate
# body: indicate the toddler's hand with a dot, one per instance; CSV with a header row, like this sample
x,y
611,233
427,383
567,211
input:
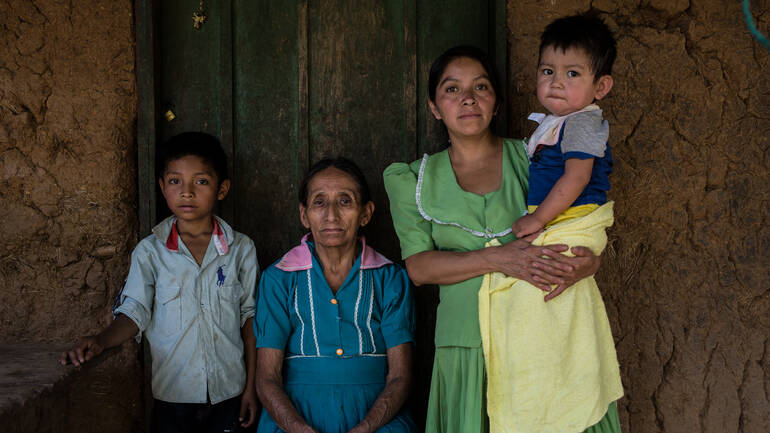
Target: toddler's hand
x,y
526,225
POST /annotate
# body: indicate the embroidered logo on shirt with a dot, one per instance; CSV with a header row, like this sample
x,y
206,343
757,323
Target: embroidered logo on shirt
x,y
220,276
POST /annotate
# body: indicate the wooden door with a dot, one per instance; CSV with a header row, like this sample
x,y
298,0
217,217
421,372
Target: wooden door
x,y
283,83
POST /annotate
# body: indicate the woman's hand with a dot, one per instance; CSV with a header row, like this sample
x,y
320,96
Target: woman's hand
x,y
538,265
565,271
545,266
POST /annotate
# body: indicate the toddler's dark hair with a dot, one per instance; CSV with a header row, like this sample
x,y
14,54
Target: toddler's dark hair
x,y
585,32
340,163
197,144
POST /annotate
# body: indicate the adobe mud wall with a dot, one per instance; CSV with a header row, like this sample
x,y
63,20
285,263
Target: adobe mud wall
x,y
67,188
686,279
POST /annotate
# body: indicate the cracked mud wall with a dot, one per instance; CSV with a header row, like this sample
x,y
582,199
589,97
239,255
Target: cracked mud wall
x,y
67,164
686,279
67,185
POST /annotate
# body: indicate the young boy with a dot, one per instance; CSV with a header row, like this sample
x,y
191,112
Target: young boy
x,y
190,290
570,160
552,366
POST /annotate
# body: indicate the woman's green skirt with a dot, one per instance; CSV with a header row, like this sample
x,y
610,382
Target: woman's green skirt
x,y
457,401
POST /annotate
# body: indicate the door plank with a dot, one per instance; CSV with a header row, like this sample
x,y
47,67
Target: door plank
x,y
271,152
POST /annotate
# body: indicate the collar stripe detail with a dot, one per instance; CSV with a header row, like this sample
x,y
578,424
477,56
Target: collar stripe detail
x,y
301,323
172,242
220,240
312,313
355,312
369,318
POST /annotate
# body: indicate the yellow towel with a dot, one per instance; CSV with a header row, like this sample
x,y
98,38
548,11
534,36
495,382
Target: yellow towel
x,y
551,366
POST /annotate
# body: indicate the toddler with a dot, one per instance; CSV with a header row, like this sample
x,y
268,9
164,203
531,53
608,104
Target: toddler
x,y
552,365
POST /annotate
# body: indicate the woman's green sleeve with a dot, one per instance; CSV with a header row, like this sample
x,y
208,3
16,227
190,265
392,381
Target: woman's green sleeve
x,y
414,232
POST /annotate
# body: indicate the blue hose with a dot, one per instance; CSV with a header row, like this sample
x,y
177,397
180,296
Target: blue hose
x,y
752,27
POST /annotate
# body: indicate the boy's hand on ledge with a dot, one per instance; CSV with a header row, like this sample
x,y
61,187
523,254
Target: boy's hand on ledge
x,y
84,350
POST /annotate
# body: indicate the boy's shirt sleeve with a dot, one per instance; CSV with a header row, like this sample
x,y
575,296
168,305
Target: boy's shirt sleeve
x,y
585,135
137,296
248,272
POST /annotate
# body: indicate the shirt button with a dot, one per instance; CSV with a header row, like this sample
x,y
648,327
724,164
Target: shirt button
x,y
339,352
334,301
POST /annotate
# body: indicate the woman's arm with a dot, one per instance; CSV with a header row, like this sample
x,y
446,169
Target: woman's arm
x,y
540,266
517,259
271,393
393,397
577,173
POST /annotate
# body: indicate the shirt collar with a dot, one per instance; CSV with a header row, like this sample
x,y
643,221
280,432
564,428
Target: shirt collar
x,y
168,233
300,258
547,133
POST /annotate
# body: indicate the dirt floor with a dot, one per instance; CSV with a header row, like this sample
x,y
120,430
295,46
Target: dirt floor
x,y
686,279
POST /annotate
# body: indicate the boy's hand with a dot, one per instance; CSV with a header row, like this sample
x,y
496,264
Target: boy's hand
x,y
248,404
527,225
85,349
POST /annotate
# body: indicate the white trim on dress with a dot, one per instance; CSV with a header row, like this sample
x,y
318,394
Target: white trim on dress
x,y
312,313
418,196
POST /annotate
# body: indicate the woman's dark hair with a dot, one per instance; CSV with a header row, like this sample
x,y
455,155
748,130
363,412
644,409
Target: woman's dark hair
x,y
343,164
439,66
197,144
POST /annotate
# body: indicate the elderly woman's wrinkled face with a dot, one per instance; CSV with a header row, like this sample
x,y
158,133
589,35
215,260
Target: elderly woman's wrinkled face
x,y
334,211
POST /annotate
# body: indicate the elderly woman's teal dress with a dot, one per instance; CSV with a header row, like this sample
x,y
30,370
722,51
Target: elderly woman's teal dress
x,y
335,344
432,212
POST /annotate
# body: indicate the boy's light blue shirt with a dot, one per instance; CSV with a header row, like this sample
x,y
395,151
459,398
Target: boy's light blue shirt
x,y
192,316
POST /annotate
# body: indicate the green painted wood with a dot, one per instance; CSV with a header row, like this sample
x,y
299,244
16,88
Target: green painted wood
x,y
498,50
190,80
146,114
270,146
145,10
224,11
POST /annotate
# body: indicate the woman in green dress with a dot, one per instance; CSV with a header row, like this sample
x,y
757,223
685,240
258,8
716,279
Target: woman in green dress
x,y
445,207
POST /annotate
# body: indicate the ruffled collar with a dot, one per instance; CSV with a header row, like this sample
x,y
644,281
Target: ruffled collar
x,y
431,196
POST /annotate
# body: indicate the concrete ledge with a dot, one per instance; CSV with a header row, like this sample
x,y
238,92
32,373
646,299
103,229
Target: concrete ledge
x,y
37,394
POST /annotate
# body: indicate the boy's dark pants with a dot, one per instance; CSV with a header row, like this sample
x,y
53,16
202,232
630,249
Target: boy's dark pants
x,y
196,417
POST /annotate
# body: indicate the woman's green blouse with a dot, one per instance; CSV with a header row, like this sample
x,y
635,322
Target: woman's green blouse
x,y
431,212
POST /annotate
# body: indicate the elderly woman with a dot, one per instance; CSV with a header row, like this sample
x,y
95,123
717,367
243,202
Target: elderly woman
x,y
445,208
334,319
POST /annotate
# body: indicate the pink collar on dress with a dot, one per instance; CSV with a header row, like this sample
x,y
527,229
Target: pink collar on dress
x,y
220,241
299,258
